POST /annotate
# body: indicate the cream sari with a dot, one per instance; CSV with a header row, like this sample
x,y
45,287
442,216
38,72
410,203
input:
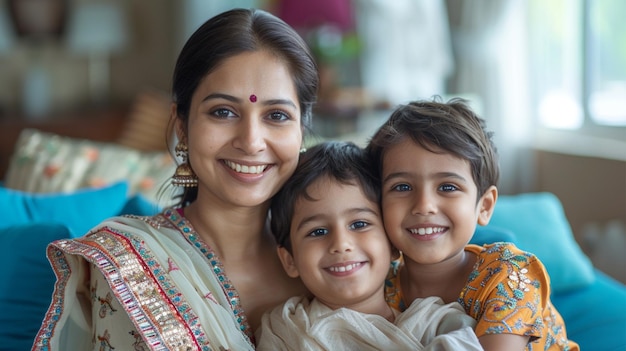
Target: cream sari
x,y
141,283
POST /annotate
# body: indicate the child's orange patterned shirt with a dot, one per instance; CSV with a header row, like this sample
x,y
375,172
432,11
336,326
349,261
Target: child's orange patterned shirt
x,y
508,291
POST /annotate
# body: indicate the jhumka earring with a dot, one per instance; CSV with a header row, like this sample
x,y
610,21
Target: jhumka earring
x,y
184,175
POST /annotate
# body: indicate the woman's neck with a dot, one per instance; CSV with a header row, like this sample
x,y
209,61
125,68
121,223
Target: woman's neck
x,y
232,233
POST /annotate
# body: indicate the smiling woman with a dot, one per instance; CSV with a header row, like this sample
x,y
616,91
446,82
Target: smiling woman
x,y
200,274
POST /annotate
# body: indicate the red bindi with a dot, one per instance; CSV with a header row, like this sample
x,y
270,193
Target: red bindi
x,y
252,98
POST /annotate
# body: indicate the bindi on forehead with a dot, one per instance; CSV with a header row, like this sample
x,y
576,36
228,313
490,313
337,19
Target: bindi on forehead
x,y
252,98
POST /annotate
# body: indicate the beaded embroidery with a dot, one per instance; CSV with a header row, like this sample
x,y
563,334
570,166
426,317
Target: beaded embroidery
x,y
184,226
142,285
135,285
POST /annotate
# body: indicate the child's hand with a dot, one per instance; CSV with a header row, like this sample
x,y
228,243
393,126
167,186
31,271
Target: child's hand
x,y
503,342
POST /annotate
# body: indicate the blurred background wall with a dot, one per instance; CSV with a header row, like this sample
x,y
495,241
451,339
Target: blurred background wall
x,y
549,77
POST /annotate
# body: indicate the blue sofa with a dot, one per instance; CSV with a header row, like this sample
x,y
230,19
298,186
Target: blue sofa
x,y
592,304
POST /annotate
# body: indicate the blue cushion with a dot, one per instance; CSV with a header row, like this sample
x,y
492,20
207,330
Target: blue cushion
x,y
595,315
139,205
492,234
540,226
27,281
79,210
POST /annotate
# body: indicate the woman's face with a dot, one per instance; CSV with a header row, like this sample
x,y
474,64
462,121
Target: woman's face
x,y
244,131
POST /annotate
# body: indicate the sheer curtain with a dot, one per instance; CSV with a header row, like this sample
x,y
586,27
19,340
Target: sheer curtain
x,y
406,52
490,50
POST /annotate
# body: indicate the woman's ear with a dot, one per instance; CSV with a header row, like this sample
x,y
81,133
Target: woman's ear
x,y
288,264
179,128
487,204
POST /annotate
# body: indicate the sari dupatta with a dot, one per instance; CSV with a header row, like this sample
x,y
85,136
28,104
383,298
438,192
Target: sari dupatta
x,y
171,284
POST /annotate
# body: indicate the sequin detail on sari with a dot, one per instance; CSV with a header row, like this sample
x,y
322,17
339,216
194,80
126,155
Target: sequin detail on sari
x,y
140,284
184,226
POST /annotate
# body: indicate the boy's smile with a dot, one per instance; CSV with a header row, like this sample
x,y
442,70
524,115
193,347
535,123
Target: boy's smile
x,y
339,246
429,202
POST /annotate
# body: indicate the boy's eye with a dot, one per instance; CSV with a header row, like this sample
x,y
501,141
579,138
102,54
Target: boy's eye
x,y
401,187
448,188
318,232
358,225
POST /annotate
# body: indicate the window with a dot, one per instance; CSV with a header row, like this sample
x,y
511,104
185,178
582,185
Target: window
x,y
578,60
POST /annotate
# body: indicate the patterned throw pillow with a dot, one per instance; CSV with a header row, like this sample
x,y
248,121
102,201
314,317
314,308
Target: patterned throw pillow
x,y
45,162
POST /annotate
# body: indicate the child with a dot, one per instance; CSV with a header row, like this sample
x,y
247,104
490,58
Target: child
x,y
328,225
438,169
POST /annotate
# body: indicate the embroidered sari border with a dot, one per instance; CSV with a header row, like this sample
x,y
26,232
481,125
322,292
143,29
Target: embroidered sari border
x,y
156,306
183,225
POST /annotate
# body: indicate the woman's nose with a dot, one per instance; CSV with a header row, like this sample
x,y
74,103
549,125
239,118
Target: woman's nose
x,y
251,135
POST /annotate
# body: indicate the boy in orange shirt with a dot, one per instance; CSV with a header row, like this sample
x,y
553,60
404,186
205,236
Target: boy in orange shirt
x,y
438,169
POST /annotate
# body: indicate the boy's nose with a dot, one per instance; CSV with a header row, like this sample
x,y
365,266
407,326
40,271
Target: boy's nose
x,y
424,203
340,241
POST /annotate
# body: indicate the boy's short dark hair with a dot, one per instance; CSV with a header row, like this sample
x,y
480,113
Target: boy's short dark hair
x,y
452,127
344,162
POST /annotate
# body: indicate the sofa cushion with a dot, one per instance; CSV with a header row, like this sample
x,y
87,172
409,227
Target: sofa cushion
x,y
595,315
79,210
540,226
492,234
27,281
139,205
46,162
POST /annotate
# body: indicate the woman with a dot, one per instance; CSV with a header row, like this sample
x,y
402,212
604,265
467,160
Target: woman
x,y
199,276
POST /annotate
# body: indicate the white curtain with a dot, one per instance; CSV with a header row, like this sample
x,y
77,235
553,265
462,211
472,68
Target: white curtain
x,y
406,52
197,12
490,45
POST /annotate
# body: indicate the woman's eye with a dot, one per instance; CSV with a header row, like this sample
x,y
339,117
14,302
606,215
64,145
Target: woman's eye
x,y
318,232
222,113
448,188
358,225
401,187
278,116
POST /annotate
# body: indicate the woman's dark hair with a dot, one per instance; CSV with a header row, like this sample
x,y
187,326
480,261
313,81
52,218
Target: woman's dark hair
x,y
234,32
452,127
344,162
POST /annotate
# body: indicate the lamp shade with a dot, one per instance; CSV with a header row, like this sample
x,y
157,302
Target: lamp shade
x,y
97,27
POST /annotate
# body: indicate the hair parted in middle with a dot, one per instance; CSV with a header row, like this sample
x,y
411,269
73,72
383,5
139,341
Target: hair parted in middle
x,y
234,32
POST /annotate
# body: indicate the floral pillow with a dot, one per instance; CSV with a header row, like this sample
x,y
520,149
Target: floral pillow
x,y
45,162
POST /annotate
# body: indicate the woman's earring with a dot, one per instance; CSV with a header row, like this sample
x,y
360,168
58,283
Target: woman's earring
x,y
302,150
184,175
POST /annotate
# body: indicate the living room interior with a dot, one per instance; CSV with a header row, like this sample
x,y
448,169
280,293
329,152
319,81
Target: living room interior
x,y
65,70
543,74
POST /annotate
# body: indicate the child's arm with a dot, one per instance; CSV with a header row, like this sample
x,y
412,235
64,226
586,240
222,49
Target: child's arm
x,y
509,296
507,342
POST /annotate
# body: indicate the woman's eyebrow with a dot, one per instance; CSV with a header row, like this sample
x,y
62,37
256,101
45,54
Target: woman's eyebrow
x,y
237,100
280,102
221,96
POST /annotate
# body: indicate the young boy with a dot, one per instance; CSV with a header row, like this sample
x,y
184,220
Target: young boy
x,y
438,169
328,225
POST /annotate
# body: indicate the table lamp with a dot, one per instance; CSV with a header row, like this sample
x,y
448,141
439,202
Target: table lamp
x,y
97,29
